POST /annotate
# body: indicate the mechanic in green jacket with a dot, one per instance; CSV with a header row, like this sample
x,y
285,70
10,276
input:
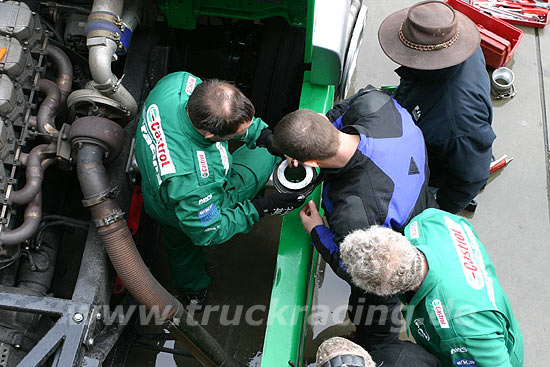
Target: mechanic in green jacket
x,y
455,306
200,193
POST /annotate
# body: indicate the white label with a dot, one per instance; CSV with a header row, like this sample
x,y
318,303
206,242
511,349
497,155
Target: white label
x,y
440,314
157,142
203,164
466,255
223,156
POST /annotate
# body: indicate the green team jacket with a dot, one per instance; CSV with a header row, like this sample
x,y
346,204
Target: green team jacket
x,y
183,174
460,313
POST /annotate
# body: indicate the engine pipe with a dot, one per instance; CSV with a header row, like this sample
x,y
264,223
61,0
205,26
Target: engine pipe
x,y
103,36
64,72
32,216
119,244
48,108
34,174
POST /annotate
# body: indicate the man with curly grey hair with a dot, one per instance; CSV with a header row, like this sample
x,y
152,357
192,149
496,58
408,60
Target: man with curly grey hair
x,y
455,305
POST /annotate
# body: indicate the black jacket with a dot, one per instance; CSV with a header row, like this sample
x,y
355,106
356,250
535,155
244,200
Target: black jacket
x,y
452,107
385,181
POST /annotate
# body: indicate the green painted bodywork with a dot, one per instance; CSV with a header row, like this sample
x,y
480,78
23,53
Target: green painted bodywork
x,y
298,13
293,283
184,14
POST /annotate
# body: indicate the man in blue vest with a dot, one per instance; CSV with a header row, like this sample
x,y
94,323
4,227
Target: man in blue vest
x,y
374,162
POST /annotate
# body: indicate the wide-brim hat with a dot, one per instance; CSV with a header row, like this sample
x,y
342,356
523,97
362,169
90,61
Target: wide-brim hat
x,y
429,35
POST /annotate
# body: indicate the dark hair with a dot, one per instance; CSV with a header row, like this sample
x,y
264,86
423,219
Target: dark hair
x,y
305,135
219,107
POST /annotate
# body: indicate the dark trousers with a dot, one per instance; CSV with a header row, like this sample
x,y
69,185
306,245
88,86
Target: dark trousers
x,y
378,323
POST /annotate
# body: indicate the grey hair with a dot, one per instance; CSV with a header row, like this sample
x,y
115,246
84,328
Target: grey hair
x,y
381,261
337,346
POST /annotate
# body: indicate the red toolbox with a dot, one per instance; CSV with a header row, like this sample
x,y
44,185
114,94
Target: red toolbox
x,y
499,40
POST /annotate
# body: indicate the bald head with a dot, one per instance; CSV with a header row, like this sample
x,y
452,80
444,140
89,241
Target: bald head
x,y
219,107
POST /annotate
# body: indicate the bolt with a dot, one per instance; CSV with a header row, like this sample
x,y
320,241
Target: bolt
x,y
80,145
25,49
91,341
38,29
98,316
26,43
78,317
17,346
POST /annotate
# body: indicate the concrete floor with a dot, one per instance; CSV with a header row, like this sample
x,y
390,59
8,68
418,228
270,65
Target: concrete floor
x,y
512,218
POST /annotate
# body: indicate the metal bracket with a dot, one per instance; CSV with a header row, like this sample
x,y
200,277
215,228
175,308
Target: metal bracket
x,y
64,148
112,193
110,219
132,168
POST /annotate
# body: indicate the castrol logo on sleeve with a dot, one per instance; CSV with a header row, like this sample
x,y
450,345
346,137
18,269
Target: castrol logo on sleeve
x,y
440,314
203,164
159,141
190,87
466,255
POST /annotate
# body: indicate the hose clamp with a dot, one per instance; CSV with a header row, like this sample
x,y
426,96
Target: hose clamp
x,y
106,24
112,193
115,216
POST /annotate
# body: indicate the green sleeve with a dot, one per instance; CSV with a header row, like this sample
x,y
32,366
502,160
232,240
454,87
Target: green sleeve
x,y
480,341
253,132
202,217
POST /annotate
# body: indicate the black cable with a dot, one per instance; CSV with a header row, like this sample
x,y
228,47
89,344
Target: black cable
x,y
11,260
84,226
67,219
52,28
163,349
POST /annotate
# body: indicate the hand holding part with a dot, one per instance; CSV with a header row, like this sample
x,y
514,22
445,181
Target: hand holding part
x,y
310,216
291,161
278,203
265,140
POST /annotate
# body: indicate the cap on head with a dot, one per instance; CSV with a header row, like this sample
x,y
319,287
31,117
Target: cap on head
x,y
337,351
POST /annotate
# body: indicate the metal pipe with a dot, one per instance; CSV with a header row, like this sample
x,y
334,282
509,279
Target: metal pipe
x,y
34,175
125,257
103,51
32,216
64,71
48,108
113,6
132,13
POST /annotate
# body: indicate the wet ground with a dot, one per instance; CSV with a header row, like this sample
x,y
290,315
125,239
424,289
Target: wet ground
x,y
512,220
